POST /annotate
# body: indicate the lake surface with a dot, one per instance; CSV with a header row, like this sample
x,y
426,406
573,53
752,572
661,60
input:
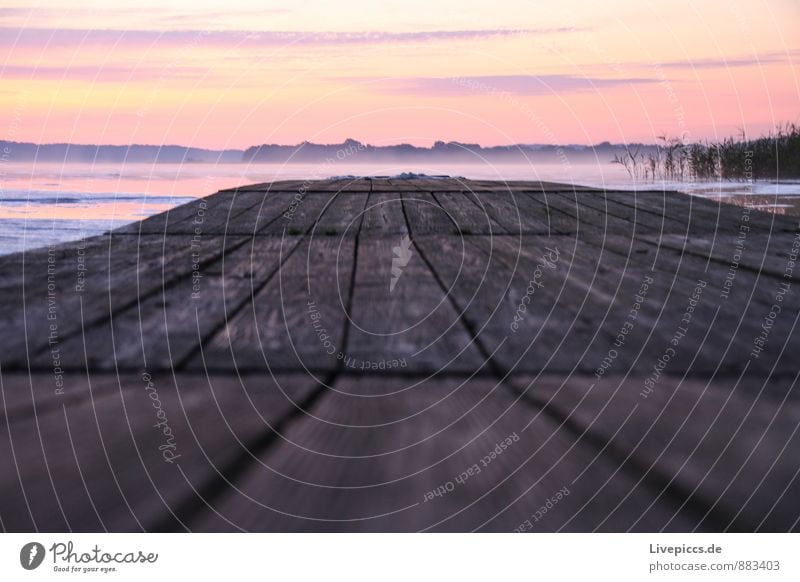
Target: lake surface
x,y
43,204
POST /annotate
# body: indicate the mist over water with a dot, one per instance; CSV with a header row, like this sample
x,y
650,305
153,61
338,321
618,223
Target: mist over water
x,y
44,204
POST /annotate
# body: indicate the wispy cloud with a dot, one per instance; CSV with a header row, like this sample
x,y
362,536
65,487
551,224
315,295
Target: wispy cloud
x,y
768,58
495,84
103,74
195,16
7,11
10,36
13,15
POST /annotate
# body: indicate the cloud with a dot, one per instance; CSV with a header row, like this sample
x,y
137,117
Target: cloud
x,y
6,12
13,15
775,57
497,84
10,37
195,16
101,74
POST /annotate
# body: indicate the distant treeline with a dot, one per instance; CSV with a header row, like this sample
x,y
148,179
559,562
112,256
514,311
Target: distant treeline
x,y
773,156
327,155
63,153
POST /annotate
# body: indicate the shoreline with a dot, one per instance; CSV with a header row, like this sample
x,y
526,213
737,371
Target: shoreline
x,y
34,227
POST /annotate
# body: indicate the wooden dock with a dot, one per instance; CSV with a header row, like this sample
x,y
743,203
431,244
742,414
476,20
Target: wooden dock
x,y
382,354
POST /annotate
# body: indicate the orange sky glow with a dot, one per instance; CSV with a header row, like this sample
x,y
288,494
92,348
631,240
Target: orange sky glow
x,y
232,74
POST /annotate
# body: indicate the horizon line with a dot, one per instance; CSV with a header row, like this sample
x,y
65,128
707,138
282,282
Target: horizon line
x,y
344,142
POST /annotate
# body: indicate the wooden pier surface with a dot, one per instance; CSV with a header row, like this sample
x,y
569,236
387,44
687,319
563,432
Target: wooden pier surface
x,y
407,354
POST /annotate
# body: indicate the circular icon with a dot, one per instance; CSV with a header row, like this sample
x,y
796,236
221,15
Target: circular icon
x,y
31,555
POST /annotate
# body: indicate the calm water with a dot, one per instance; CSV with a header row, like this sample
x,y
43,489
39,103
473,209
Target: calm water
x,y
44,204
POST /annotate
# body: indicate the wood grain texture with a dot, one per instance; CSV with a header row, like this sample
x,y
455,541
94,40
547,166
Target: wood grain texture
x,y
405,354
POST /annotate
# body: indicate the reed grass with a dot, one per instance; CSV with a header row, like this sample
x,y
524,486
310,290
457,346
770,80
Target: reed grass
x,y
774,156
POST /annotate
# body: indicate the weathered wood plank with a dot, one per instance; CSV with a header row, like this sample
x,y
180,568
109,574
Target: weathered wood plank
x,y
401,316
381,362
384,214
370,454
716,446
279,186
257,211
295,321
399,185
713,333
301,215
517,213
524,298
165,328
568,216
185,218
649,219
342,216
470,214
425,216
754,252
521,186
99,462
78,288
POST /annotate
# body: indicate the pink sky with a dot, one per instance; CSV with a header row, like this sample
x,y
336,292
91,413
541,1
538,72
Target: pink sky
x,y
235,73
